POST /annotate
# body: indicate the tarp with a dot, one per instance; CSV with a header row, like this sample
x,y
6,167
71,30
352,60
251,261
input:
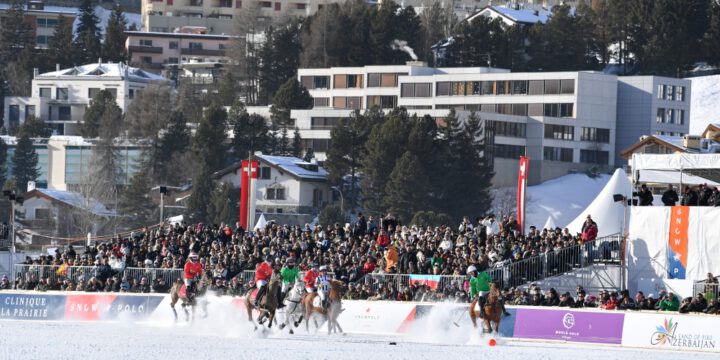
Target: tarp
x,y
549,223
607,213
648,168
672,177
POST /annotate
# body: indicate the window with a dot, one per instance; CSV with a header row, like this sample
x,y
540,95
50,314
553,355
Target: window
x,y
264,173
275,194
42,214
92,92
559,132
146,59
300,6
509,151
504,109
46,23
324,123
416,90
680,93
520,109
552,110
173,45
458,89
660,91
42,39
321,102
594,157
14,113
500,87
595,135
318,145
195,45
487,88
519,87
566,110
536,87
315,82
45,92
354,81
567,86
112,91
670,116
29,111
558,110
488,108
347,102
669,92
535,110
443,88
173,60
680,117
131,93
266,4
509,129
660,115
64,113
557,154
383,102
382,80
61,94
145,42
552,87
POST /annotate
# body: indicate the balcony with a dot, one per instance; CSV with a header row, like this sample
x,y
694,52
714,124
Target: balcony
x,y
208,52
194,3
146,49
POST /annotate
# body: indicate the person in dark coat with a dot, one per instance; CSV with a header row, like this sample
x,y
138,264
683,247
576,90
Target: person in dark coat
x,y
670,196
690,197
646,197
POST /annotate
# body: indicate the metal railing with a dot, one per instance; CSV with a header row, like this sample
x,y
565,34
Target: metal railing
x,y
84,273
709,290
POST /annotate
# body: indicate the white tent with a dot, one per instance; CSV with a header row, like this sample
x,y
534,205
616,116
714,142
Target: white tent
x,y
261,223
607,213
549,223
680,168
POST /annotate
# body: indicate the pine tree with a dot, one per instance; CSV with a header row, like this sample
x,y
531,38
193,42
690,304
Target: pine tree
x,y
224,204
3,161
171,147
282,147
25,163
297,149
309,155
712,37
16,33
202,189
278,59
209,141
60,45
150,113
250,133
408,188
87,34
113,48
135,203
102,106
291,95
35,128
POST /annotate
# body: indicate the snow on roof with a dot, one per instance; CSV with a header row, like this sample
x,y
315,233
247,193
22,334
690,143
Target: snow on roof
x,y
674,141
77,200
106,70
296,166
524,15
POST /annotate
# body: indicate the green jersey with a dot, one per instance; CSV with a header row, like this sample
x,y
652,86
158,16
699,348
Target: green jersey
x,y
289,275
479,283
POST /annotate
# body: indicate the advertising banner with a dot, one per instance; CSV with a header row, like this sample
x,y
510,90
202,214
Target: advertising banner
x,y
31,306
376,317
678,242
563,324
93,307
672,331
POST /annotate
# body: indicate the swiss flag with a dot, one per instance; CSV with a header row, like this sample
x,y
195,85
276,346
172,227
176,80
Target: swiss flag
x,y
522,187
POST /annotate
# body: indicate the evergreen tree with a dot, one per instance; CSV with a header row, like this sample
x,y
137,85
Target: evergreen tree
x,y
87,34
224,204
297,149
102,109
25,163
16,33
189,102
35,128
385,145
227,90
209,141
3,161
250,133
171,147
278,59
150,113
60,45
437,22
291,95
113,48
309,155
135,203
712,36
282,146
408,188
202,189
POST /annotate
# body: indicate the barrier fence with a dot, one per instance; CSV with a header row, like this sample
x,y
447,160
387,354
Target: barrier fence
x,y
709,290
84,273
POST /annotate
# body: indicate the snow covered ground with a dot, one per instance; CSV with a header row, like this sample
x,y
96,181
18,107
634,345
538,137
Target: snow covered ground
x,y
704,102
126,340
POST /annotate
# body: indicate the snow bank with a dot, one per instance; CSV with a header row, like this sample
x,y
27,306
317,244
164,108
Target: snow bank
x,y
704,102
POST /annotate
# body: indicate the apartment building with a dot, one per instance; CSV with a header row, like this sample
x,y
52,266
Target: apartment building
x,y
220,16
563,121
42,18
60,97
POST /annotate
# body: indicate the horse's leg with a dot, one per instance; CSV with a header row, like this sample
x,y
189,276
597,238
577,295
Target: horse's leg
x,y
173,301
187,313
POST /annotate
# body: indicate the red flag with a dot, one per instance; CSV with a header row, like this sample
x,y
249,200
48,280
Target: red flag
x,y
522,187
244,182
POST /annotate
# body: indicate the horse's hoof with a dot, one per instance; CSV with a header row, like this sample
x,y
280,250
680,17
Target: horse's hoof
x,y
291,332
282,326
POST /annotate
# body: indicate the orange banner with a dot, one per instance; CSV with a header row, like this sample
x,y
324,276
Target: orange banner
x,y
678,242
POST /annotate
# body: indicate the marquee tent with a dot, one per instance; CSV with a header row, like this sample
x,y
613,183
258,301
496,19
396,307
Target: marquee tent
x,y
607,213
680,168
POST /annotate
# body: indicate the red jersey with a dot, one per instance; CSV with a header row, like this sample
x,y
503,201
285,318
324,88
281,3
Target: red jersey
x,y
263,272
309,278
192,269
383,240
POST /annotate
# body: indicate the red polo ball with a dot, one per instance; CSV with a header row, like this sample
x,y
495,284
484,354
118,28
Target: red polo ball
x,y
492,342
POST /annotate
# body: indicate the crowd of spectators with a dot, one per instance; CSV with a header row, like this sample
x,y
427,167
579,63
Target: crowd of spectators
x,y
701,195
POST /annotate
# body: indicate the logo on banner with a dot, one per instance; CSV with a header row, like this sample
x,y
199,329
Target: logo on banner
x,y
568,321
678,242
668,335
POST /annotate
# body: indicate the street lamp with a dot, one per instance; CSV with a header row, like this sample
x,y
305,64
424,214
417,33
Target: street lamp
x,y
163,190
342,199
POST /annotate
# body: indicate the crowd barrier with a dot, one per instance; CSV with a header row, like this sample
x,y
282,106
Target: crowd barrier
x,y
663,331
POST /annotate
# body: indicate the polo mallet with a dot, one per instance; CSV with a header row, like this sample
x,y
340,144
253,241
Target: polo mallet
x,y
457,322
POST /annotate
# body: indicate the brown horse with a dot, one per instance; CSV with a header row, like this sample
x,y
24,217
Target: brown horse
x,y
313,306
177,295
267,305
492,310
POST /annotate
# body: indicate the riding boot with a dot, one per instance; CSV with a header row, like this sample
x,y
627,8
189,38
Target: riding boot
x,y
258,297
481,305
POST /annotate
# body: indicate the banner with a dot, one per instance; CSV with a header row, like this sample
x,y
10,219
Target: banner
x,y
566,325
678,242
672,331
31,306
522,187
248,171
430,280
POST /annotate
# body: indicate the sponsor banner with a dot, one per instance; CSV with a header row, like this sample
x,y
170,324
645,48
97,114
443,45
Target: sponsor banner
x,y
672,331
104,306
31,306
678,242
376,317
563,324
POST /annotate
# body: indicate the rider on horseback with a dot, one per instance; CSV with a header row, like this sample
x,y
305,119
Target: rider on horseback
x,y
289,274
193,270
262,276
480,286
310,277
322,283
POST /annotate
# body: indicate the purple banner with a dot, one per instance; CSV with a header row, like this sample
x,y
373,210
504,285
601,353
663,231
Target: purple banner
x,y
580,326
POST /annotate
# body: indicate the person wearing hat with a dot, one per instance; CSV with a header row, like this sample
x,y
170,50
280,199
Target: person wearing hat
x,y
310,277
322,284
262,276
289,274
192,270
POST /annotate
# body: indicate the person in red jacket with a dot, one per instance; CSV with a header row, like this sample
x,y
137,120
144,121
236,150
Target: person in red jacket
x,y
262,276
383,239
192,270
310,277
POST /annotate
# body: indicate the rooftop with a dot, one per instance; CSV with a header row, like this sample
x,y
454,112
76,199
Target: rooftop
x,y
73,199
105,70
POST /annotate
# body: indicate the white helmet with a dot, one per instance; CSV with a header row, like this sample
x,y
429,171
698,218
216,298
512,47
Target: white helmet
x,y
193,255
323,268
471,268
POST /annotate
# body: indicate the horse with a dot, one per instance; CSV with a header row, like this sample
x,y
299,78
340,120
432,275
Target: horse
x,y
267,305
313,306
492,311
178,292
294,309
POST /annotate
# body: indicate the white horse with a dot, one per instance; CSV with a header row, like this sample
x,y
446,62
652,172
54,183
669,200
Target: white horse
x,y
294,309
